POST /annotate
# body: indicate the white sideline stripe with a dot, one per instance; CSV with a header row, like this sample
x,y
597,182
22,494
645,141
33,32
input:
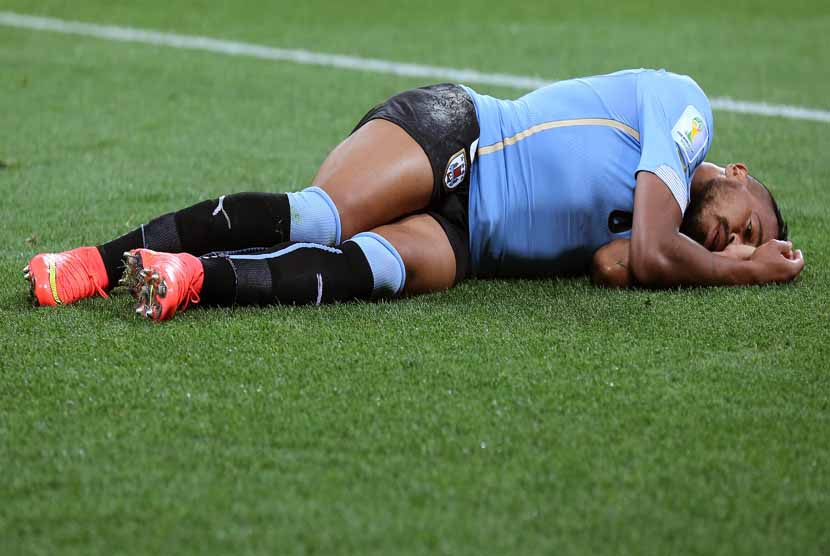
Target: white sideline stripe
x,y
307,57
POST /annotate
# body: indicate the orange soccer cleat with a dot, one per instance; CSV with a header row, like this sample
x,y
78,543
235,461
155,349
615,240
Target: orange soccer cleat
x,y
64,278
163,283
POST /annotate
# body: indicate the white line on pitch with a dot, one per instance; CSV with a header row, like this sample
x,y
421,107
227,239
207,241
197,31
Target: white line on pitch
x,y
298,56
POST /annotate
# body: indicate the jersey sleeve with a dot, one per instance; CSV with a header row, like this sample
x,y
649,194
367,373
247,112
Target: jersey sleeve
x,y
675,131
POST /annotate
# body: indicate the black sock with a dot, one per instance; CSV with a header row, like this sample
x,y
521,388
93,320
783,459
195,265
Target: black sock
x,y
290,274
225,224
113,251
219,285
231,222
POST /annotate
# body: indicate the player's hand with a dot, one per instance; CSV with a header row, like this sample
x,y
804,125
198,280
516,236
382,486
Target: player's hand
x,y
740,252
775,261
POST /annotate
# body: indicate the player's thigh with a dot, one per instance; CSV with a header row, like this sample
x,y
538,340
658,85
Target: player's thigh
x,y
426,252
376,176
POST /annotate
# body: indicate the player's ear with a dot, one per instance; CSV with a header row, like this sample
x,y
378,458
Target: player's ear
x,y
737,170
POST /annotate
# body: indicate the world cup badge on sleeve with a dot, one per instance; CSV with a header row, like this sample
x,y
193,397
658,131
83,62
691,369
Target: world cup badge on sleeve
x,y
456,170
691,135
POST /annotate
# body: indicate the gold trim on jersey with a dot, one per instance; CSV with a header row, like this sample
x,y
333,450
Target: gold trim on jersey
x,y
512,140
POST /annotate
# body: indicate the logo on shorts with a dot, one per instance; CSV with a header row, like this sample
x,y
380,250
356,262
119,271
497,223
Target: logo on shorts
x,y
456,170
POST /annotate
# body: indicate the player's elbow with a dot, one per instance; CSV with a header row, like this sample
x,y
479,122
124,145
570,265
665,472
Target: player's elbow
x,y
650,267
609,266
608,275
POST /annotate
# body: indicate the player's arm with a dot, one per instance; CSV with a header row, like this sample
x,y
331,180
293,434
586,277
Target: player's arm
x,y
660,256
611,268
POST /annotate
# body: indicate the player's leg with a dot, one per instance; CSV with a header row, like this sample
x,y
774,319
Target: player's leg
x,y
426,251
406,155
380,173
374,177
228,222
411,256
231,222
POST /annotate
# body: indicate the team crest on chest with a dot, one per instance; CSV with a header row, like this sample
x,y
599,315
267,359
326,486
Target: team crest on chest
x,y
456,170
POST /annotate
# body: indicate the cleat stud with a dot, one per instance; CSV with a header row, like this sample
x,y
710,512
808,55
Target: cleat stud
x,y
155,277
148,312
162,289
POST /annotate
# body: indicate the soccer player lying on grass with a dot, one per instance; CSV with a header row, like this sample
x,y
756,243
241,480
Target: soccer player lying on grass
x,y
441,183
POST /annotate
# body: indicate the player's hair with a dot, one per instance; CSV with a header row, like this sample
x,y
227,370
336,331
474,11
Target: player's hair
x,y
783,229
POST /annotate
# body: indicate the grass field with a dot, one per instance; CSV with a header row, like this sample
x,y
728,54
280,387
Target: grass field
x,y
502,417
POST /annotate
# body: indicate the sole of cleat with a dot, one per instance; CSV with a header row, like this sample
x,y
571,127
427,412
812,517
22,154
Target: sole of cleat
x,y
32,285
27,275
147,304
131,279
147,287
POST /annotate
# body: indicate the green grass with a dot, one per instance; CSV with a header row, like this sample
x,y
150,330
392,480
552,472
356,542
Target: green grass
x,y
503,417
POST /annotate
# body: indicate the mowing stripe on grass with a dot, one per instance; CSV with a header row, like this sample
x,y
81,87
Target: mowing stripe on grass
x,y
299,56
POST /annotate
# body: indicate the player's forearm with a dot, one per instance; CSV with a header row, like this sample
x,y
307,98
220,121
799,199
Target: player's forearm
x,y
611,267
679,261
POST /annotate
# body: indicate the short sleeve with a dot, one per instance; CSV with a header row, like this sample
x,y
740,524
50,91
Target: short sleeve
x,y
675,131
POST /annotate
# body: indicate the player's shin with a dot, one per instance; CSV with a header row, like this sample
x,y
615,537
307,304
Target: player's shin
x,y
231,222
365,267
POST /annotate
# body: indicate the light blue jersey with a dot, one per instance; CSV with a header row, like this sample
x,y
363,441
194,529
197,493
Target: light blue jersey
x,y
555,170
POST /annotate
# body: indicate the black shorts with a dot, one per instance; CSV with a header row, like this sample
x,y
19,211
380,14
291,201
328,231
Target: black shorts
x,y
442,120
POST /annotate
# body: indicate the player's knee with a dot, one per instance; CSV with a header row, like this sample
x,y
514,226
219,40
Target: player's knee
x,y
426,252
352,210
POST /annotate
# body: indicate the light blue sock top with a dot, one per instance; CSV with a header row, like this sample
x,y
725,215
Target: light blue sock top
x,y
388,270
314,218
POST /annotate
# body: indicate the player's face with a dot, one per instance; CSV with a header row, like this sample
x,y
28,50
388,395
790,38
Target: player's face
x,y
732,210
